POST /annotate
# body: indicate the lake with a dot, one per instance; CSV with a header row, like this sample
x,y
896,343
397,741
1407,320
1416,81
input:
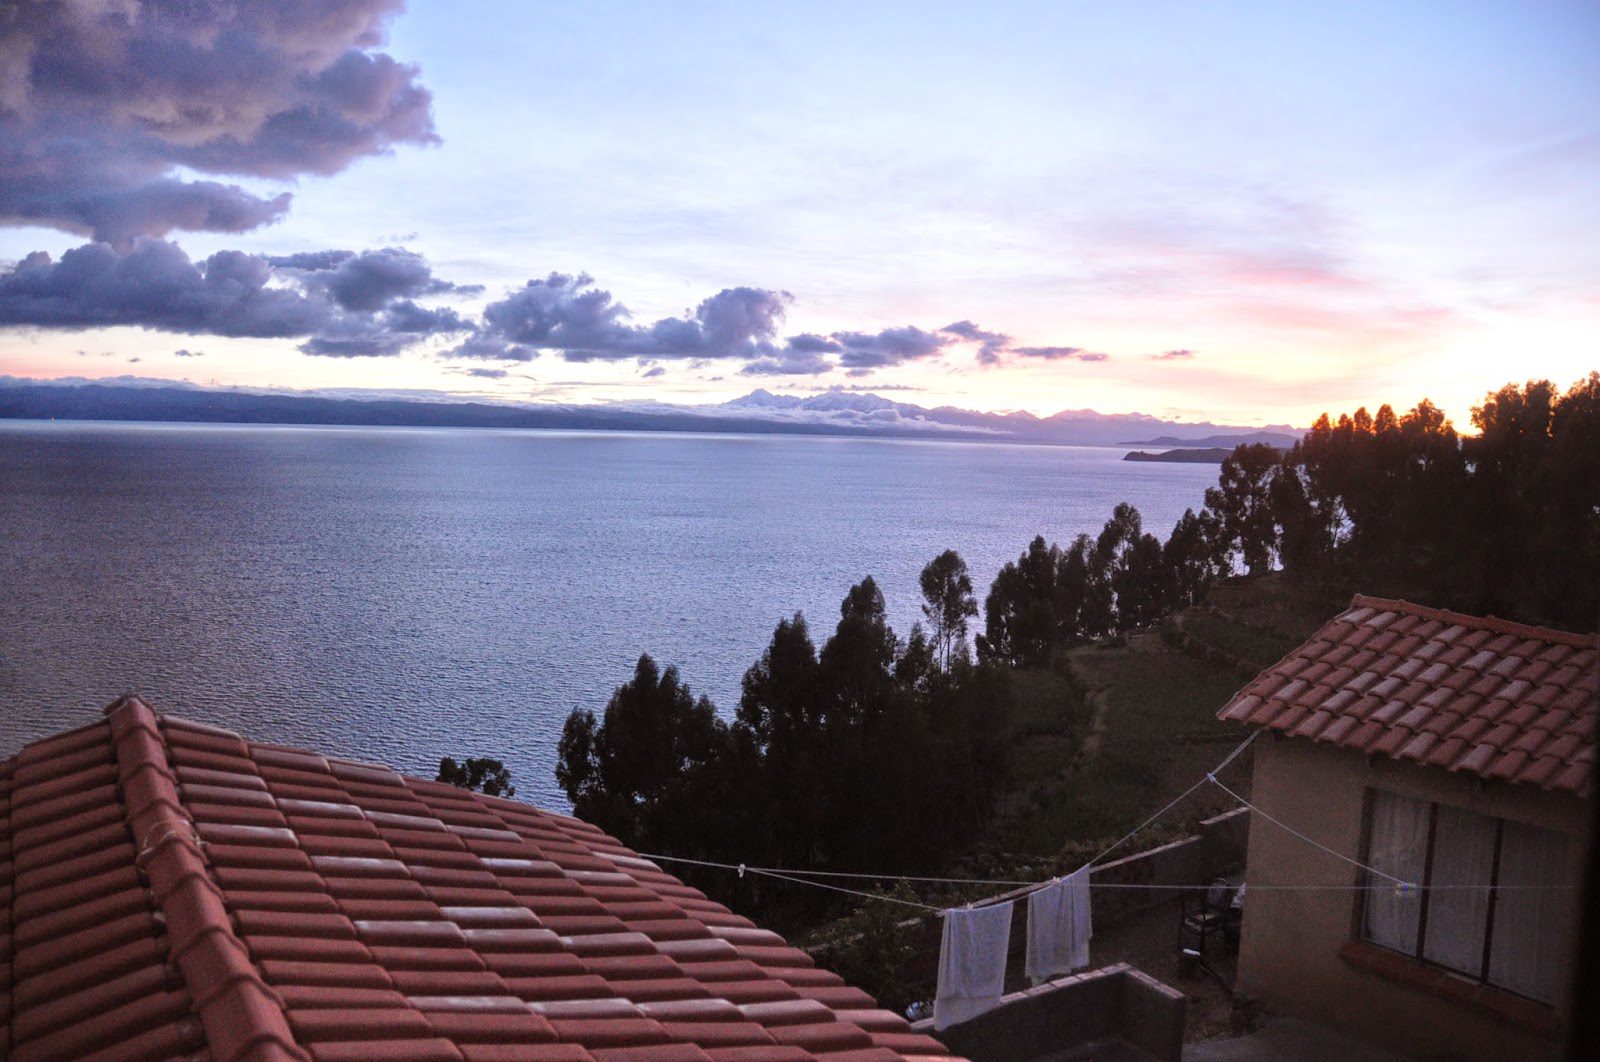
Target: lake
x,y
399,594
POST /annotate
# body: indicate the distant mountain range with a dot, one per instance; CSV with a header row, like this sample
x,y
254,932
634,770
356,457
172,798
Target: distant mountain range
x,y
760,411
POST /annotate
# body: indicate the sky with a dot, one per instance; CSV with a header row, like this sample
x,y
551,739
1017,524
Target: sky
x,y
1237,212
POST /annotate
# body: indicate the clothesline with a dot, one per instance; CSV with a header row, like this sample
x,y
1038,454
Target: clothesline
x,y
802,877
745,867
1210,775
1314,843
1022,889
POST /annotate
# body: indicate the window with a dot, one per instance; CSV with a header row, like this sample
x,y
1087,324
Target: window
x,y
1492,908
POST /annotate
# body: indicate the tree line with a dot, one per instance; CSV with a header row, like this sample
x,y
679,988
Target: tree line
x,y
1505,523
887,752
874,749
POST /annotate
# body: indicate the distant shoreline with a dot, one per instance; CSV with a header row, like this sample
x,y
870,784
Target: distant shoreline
x,y
1206,455
855,416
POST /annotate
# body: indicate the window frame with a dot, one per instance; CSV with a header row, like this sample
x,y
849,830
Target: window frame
x,y
1416,952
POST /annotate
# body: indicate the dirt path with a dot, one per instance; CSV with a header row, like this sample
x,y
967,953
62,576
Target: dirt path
x,y
1099,704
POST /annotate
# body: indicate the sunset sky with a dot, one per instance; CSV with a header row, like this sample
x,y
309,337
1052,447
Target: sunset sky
x,y
1235,212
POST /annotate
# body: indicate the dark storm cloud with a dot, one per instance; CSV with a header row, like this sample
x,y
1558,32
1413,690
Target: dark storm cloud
x,y
102,103
155,285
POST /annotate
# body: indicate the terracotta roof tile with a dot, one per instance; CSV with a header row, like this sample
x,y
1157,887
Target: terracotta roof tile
x,y
1506,765
176,890
1502,700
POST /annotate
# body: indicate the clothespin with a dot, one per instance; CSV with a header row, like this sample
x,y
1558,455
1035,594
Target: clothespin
x,y
741,871
1402,889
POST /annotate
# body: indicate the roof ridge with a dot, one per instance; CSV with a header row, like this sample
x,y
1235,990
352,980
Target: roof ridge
x,y
1488,623
238,1011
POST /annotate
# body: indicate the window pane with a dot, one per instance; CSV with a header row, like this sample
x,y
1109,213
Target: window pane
x,y
1397,844
1463,855
1526,949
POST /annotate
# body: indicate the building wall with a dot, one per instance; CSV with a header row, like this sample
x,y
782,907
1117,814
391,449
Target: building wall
x,y
1291,940
1119,1009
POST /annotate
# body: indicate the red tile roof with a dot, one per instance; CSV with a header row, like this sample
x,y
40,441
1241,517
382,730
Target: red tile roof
x,y
170,890
1501,700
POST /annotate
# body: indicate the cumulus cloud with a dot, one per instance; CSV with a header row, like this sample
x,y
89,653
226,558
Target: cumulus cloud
x,y
810,343
103,106
403,315
789,362
368,280
991,344
483,347
356,304
1173,355
155,285
891,346
129,120
568,314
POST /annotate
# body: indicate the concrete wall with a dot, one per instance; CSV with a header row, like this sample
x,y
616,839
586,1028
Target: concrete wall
x,y
1116,1003
1291,940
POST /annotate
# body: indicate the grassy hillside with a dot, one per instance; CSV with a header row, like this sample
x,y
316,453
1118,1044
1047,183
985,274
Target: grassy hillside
x,y
1115,730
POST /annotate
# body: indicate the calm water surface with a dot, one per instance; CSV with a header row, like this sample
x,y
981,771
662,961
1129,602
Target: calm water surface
x,y
402,594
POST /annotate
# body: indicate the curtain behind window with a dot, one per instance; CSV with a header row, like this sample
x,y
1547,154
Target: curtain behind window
x,y
1527,942
1463,854
1397,845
